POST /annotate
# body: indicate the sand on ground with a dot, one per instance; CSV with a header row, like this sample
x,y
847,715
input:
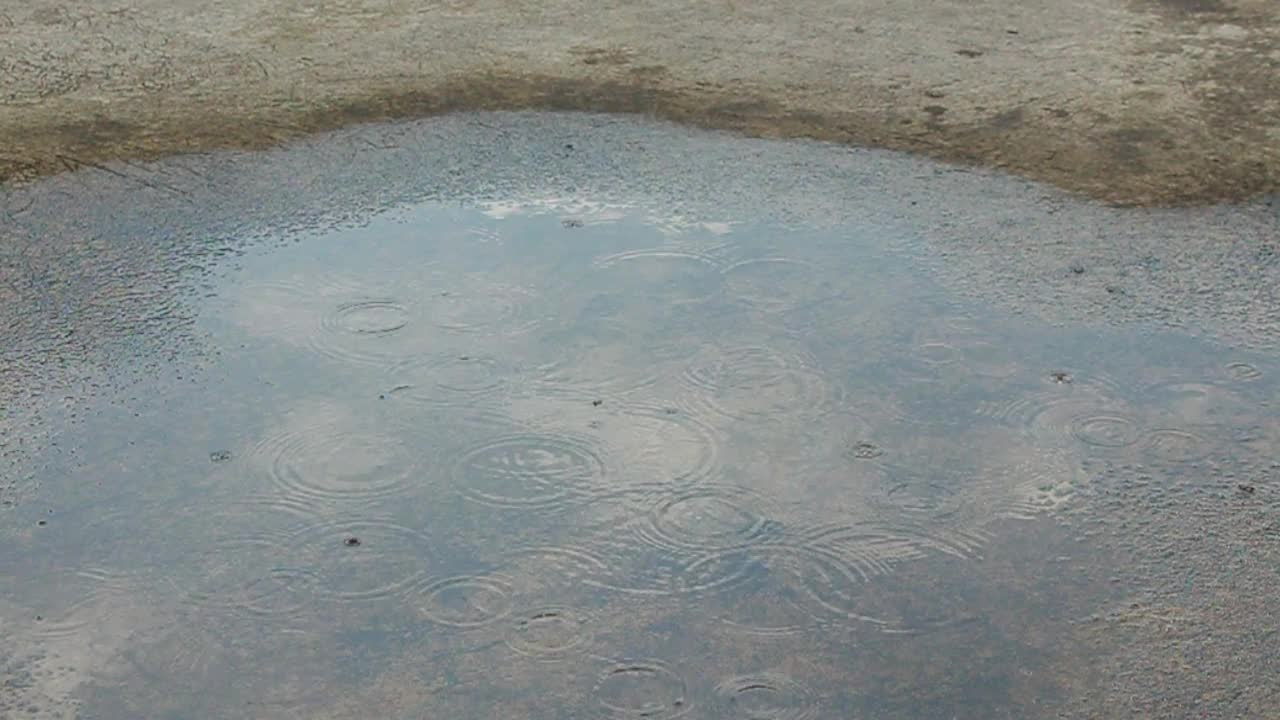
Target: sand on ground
x,y
1136,102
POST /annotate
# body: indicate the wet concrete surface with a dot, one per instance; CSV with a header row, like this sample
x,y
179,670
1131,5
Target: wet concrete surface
x,y
1141,102
552,415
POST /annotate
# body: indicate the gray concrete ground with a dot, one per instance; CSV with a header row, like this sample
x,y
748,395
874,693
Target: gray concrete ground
x,y
1150,102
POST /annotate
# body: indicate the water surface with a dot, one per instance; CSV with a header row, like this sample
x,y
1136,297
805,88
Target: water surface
x,y
574,454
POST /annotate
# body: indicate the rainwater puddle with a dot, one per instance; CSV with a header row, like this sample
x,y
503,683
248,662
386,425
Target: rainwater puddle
x,y
520,455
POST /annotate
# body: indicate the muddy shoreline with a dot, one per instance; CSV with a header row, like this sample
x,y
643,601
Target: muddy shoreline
x,y
1148,102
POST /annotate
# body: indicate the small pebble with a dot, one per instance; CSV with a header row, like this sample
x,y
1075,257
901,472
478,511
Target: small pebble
x,y
1246,489
597,403
1060,377
351,541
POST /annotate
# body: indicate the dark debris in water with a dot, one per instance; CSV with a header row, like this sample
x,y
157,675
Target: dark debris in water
x,y
865,451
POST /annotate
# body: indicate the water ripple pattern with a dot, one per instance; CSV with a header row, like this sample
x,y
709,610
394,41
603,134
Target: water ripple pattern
x,y
757,384
659,444
550,633
530,470
361,560
1242,372
568,417
706,518
824,581
765,696
83,599
945,496
247,574
775,285
468,601
335,317
643,689
334,461
452,380
366,317
598,370
472,305
673,276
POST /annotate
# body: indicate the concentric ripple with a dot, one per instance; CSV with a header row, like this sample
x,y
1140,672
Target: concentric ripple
x,y
643,689
764,611
83,599
936,353
757,384
951,344
603,370
814,560
481,307
1176,445
362,332
1083,420
826,581
454,379
945,492
554,565
836,585
530,471
385,559
924,496
468,601
865,550
284,310
332,461
709,517
248,575
774,284
1190,404
1048,411
549,633
1104,430
1242,372
766,696
333,316
632,567
661,444
366,317
672,275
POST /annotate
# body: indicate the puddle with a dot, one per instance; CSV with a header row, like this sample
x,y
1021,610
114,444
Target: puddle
x,y
612,450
